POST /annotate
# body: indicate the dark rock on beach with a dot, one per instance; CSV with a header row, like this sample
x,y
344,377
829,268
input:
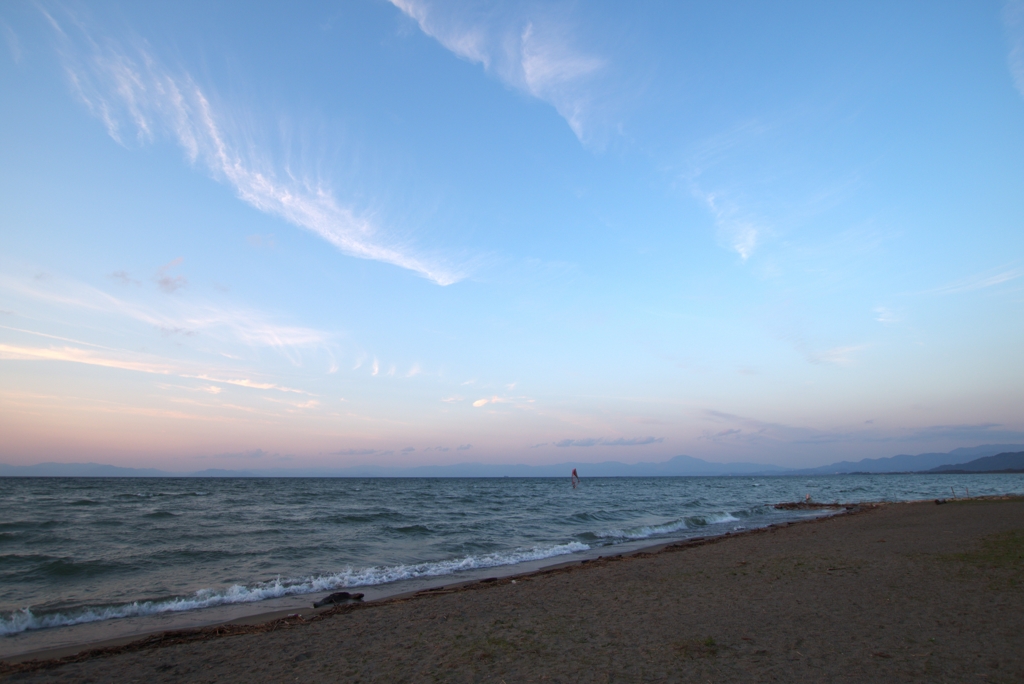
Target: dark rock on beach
x,y
338,597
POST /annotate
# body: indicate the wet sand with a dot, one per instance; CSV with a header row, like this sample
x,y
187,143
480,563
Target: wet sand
x,y
901,592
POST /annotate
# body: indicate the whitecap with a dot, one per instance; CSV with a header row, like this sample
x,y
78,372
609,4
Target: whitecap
x,y
24,619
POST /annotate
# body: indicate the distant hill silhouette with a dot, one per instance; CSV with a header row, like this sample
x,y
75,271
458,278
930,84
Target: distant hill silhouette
x,y
679,466
78,470
1000,463
906,463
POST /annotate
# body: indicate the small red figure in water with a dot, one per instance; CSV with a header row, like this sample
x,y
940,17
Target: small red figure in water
x,y
575,479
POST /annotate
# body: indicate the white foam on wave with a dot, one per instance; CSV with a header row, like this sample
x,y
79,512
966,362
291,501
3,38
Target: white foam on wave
x,y
669,527
24,620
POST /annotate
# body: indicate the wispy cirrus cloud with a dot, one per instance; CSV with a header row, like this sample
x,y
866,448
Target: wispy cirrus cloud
x,y
757,432
129,361
604,441
979,281
243,325
753,182
518,402
85,356
246,382
840,356
817,353
11,38
884,314
739,230
140,99
533,54
751,430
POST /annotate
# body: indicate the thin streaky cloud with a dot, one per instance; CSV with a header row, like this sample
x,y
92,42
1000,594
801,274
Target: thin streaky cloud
x,y
253,329
124,361
741,232
132,92
308,404
604,441
13,44
235,324
840,356
245,382
518,402
535,55
978,282
208,389
57,337
84,356
884,314
737,228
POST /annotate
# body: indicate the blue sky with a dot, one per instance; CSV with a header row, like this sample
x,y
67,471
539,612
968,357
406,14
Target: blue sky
x,y
418,232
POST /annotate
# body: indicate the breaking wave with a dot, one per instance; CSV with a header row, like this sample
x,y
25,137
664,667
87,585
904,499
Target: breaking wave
x,y
24,619
687,523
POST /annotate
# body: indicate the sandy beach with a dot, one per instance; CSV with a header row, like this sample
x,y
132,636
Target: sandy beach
x,y
896,592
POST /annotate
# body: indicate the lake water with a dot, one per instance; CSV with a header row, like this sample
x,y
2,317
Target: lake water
x,y
77,550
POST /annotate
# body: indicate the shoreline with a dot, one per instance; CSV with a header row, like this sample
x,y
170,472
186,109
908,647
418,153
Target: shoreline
x,y
909,591
303,612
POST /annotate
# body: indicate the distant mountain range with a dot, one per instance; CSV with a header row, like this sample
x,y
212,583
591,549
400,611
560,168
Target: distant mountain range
x,y
680,465
905,463
976,459
1000,463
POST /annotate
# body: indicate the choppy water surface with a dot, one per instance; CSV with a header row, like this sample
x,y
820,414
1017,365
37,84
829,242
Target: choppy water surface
x,y
76,550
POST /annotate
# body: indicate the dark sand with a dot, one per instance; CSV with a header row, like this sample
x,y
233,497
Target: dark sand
x,y
903,592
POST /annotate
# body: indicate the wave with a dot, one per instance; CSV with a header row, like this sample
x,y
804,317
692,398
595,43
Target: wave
x,y
687,523
25,620
412,530
150,495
